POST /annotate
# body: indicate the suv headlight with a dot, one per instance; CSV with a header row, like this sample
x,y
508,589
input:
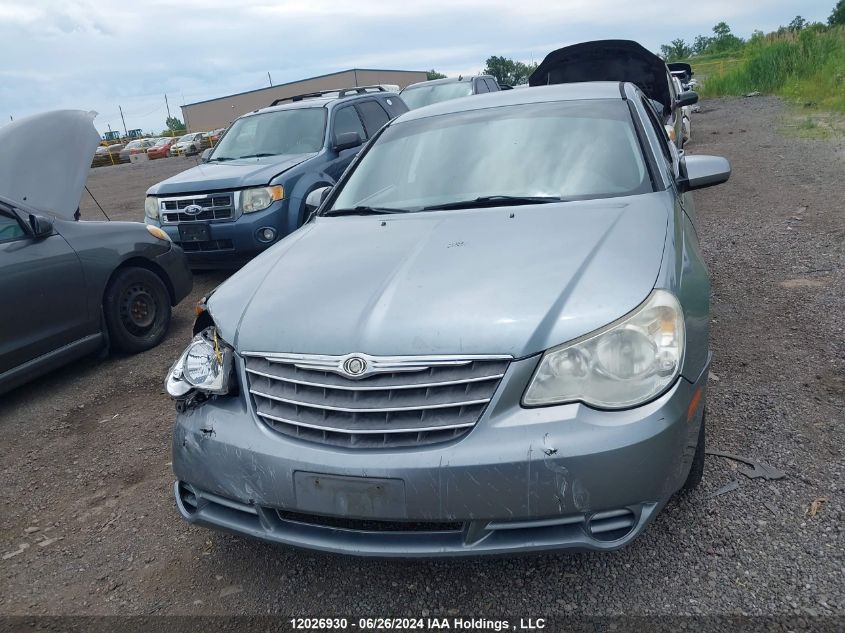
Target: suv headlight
x,y
205,366
260,198
625,364
151,207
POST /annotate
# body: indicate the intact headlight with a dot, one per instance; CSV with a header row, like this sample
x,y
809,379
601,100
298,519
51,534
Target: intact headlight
x,y
621,366
205,366
151,207
260,198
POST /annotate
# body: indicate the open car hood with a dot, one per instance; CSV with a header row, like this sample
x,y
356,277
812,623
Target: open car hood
x,y
45,159
606,60
681,67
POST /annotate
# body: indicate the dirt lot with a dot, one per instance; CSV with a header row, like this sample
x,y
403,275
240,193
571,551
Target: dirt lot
x,y
84,453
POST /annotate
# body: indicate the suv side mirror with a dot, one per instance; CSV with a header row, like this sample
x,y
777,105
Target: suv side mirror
x,y
206,154
685,99
698,172
314,199
40,226
347,140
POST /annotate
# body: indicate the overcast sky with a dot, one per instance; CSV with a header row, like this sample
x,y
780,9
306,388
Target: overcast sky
x,y
98,54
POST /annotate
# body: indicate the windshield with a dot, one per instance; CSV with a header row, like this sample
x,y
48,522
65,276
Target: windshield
x,y
132,144
424,95
567,150
292,131
162,141
187,137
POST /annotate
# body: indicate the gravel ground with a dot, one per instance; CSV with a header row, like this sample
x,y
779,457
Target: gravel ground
x,y
84,452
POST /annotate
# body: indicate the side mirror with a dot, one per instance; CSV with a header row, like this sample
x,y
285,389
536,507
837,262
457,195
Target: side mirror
x,y
206,154
347,140
314,199
698,172
685,99
40,226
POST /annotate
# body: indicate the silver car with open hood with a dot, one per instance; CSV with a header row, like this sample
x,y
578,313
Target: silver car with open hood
x,y
491,337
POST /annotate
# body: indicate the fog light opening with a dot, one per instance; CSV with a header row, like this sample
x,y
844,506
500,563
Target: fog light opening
x,y
611,525
266,234
188,498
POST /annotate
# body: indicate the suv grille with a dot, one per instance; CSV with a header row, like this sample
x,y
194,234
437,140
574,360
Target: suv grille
x,y
403,401
218,206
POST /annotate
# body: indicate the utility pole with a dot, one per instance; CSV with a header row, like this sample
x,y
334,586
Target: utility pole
x,y
270,78
167,104
125,131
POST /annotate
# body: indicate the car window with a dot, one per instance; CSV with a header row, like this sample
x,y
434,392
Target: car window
x,y
347,120
571,150
673,92
373,115
492,85
481,86
396,105
10,228
272,133
659,130
426,94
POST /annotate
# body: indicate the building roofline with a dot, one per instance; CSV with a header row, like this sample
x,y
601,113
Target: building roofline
x,y
290,83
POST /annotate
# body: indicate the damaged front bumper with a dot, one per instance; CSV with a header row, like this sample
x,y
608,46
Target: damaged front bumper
x,y
562,477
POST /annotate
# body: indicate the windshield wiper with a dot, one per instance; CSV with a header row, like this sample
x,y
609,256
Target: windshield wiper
x,y
219,159
493,201
365,210
260,155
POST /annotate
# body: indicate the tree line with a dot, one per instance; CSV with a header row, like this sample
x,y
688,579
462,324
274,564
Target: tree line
x,y
723,41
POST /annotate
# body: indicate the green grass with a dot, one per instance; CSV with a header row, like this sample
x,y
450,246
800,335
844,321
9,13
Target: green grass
x,y
806,67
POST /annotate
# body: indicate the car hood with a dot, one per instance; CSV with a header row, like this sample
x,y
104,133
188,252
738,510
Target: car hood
x,y
45,159
606,60
511,281
248,172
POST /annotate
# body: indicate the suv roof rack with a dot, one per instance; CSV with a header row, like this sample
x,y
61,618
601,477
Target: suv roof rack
x,y
342,92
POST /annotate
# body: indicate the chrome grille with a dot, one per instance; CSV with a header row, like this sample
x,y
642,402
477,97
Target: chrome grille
x,y
216,206
401,401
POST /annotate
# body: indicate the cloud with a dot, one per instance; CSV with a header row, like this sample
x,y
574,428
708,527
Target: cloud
x,y
104,53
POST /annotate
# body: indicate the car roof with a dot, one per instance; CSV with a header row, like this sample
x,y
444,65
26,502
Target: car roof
x,y
321,102
447,80
538,94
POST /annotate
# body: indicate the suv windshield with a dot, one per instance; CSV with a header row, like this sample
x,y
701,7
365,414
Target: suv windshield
x,y
420,96
534,153
293,131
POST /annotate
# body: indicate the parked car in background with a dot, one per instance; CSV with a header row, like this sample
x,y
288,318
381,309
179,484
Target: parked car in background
x,y
686,113
427,92
139,146
492,338
189,144
107,155
70,288
250,190
682,71
161,148
618,60
214,135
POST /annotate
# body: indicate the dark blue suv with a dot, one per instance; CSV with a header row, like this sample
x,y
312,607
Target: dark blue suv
x,y
250,190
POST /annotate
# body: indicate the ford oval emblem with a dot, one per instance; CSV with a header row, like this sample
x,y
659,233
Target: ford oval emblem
x,y
355,366
193,209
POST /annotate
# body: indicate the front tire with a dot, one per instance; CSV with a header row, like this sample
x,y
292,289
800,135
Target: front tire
x,y
137,310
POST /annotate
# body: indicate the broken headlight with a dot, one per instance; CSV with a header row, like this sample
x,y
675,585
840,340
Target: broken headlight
x,y
623,365
205,367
